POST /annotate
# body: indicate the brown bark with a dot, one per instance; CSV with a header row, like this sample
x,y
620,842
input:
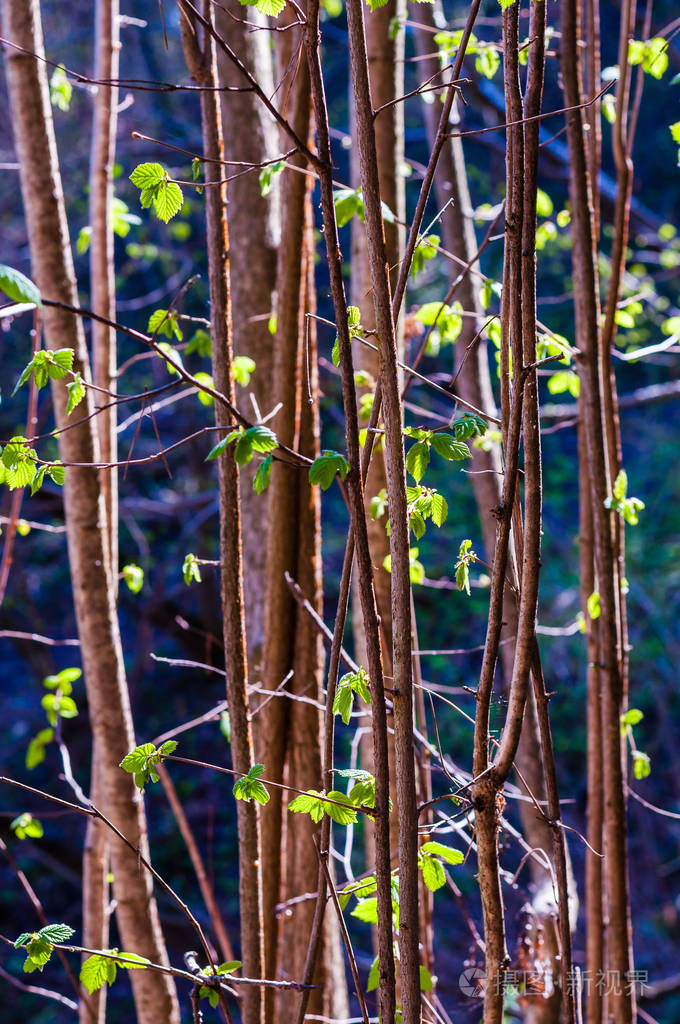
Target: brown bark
x,y
84,509
584,262
273,722
354,484
385,58
409,960
251,137
103,301
201,60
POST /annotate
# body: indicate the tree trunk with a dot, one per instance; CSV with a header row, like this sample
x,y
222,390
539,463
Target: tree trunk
x,y
84,509
103,301
202,63
250,137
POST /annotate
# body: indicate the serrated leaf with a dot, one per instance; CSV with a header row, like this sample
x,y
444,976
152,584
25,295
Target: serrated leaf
x,y
56,932
168,200
342,815
135,761
263,475
324,469
449,447
76,393
145,175
418,459
440,509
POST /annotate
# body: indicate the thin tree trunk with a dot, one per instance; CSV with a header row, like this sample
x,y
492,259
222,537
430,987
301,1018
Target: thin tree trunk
x,y
386,65
619,940
409,960
250,137
273,722
203,67
93,590
354,485
103,301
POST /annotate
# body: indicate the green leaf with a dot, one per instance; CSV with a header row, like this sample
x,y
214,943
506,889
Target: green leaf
x,y
61,89
100,970
342,815
324,469
447,853
642,766
674,129
17,286
270,8
63,680
432,871
250,787
440,509
348,685
56,932
168,200
620,485
27,827
544,204
418,459
347,202
308,803
267,174
335,354
76,393
263,475
242,368
206,380
164,321
632,716
39,952
222,445
425,250
135,761
146,175
593,605
134,577
488,60
35,754
449,447
373,976
426,980
367,910
191,569
58,706
200,343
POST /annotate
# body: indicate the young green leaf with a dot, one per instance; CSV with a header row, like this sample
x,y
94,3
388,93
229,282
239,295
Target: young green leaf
x,y
242,368
35,754
449,447
76,393
250,788
26,827
134,577
348,685
191,569
263,475
324,468
17,286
